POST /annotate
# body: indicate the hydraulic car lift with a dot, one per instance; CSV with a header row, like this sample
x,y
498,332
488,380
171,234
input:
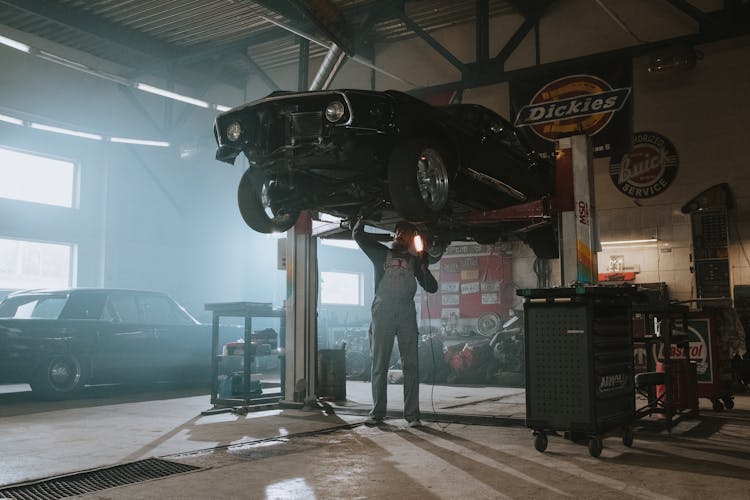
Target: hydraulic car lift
x,y
571,206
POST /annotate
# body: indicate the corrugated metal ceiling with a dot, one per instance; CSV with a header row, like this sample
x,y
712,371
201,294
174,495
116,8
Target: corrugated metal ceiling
x,y
149,31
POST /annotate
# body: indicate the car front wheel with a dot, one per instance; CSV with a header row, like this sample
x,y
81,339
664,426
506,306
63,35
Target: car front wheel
x,y
60,377
419,180
256,205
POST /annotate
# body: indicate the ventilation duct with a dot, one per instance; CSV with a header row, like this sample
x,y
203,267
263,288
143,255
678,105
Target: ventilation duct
x,y
329,68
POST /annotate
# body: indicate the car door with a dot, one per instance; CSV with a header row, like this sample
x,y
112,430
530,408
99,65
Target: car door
x,y
182,347
505,156
126,344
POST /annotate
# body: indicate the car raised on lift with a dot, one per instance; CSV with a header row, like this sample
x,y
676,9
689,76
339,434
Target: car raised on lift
x,y
384,156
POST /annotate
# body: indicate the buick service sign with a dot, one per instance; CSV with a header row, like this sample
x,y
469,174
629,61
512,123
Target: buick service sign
x,y
648,169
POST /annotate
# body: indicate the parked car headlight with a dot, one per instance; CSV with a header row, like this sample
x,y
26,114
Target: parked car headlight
x,y
334,111
234,130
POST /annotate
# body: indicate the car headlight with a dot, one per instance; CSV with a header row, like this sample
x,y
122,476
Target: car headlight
x,y
234,130
334,111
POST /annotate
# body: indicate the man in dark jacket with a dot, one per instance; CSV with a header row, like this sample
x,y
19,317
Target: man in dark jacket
x,y
394,314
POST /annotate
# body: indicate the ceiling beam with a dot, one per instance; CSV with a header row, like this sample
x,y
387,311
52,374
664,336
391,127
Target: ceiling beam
x,y
532,12
530,8
262,74
205,51
691,10
482,30
515,40
492,72
440,49
324,15
158,54
84,22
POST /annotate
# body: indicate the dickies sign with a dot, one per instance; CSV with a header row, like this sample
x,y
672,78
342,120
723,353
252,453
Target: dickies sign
x,y
549,106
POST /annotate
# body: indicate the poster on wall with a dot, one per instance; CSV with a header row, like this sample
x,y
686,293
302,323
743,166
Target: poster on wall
x,y
595,101
648,168
473,283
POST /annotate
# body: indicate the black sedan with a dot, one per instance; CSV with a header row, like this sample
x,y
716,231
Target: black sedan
x,y
385,156
59,341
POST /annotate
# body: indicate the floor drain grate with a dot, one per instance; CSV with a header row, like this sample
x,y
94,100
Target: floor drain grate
x,y
81,483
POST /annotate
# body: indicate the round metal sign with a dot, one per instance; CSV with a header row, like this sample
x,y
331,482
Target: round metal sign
x,y
648,169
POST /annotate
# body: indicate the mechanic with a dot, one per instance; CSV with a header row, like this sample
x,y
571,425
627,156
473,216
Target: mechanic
x,y
394,314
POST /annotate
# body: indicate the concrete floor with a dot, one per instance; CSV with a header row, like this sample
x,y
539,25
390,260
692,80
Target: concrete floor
x,y
310,454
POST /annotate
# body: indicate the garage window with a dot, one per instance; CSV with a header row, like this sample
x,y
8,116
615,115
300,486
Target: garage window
x,y
38,179
33,264
341,288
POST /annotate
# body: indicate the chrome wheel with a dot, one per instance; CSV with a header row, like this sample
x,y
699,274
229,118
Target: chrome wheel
x,y
432,179
60,376
64,374
267,204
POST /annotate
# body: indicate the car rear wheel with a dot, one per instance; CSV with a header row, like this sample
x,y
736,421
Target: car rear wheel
x,y
258,210
419,180
61,376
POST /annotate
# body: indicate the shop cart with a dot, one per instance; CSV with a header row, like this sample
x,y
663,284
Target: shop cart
x,y
579,363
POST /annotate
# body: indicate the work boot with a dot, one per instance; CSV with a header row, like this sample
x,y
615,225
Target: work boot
x,y
374,421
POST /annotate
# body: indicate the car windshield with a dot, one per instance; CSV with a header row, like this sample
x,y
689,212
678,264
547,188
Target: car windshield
x,y
33,306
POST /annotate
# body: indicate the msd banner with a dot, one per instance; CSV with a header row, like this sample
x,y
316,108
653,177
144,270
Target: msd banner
x,y
548,106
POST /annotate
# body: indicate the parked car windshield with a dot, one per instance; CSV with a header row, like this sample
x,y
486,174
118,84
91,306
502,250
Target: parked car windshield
x,y
33,306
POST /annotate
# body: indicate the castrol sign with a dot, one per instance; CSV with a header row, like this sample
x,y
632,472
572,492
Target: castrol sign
x,y
700,349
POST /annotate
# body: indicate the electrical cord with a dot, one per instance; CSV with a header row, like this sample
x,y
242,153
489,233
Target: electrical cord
x,y
434,362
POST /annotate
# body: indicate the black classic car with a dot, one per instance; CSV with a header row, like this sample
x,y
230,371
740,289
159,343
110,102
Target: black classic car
x,y
384,156
59,341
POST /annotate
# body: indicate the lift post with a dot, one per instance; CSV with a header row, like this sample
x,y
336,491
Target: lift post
x,y
579,239
301,313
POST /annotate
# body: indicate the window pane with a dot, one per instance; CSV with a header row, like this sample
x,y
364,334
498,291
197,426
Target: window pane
x,y
340,288
35,178
46,306
84,305
156,310
30,264
122,308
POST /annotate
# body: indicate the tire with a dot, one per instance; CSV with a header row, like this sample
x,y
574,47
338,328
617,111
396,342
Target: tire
x,y
540,442
419,180
60,377
717,405
258,210
728,402
595,446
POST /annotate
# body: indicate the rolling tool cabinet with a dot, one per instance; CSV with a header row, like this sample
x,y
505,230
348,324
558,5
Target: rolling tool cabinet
x,y
579,363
